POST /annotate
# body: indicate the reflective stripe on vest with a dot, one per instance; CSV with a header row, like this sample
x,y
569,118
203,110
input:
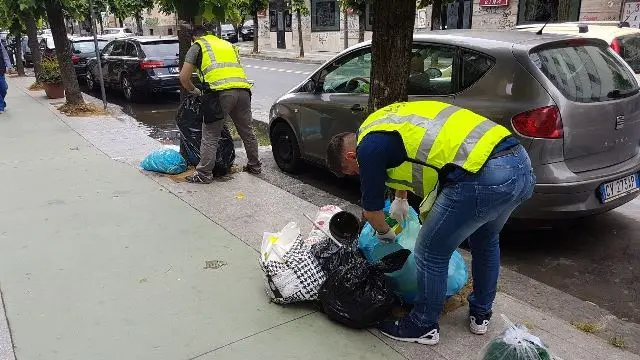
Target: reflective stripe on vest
x,y
436,134
220,68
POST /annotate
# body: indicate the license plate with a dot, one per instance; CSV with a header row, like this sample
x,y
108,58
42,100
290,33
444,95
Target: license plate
x,y
619,188
173,70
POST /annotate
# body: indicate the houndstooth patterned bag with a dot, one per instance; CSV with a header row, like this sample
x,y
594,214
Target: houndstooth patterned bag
x,y
296,279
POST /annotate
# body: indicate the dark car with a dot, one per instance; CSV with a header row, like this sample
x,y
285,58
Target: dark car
x,y
83,49
229,33
139,66
26,52
247,30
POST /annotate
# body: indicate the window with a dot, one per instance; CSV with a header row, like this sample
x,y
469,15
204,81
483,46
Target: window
x,y
432,70
161,48
151,32
350,74
107,49
118,49
585,73
128,31
630,51
325,15
541,11
474,66
82,47
131,50
170,31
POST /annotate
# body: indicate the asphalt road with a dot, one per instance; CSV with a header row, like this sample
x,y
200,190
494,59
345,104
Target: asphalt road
x,y
597,259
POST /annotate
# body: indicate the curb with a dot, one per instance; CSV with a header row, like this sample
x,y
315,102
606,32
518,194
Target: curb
x,y
294,60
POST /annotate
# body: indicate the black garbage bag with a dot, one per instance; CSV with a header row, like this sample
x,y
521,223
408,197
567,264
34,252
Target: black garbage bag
x,y
355,293
189,121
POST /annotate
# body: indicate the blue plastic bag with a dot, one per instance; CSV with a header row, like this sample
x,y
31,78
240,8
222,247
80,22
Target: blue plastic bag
x,y
167,161
404,281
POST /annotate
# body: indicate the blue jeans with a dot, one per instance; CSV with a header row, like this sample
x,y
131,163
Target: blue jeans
x,y
473,207
3,92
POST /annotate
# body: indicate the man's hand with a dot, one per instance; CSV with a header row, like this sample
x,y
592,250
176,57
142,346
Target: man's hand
x,y
387,237
399,209
196,92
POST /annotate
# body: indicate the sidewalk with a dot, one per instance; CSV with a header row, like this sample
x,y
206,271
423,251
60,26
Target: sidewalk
x,y
291,55
99,260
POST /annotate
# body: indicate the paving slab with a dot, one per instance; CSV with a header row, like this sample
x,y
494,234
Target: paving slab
x,y
311,337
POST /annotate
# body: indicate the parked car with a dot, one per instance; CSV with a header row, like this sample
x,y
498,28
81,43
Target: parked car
x,y
247,30
116,33
139,66
47,46
572,102
82,49
229,33
623,39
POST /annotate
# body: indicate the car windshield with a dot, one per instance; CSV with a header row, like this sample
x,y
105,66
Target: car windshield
x,y
630,51
585,73
88,46
227,27
164,49
111,31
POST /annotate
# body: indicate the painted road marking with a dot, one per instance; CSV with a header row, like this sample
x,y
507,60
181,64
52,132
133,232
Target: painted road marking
x,y
279,70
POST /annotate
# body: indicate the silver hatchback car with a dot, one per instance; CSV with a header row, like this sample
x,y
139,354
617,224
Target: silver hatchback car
x,y
572,102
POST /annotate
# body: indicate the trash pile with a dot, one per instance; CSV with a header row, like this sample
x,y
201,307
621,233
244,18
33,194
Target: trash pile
x,y
355,278
516,343
189,122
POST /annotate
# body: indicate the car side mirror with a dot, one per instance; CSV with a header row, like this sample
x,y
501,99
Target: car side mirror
x,y
310,86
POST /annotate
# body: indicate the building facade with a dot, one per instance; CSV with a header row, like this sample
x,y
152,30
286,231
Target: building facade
x,y
323,29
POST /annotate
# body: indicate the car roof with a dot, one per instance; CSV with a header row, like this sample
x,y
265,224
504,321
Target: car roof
x,y
597,30
85,38
148,39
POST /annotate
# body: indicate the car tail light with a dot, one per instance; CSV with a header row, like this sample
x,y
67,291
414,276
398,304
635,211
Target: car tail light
x,y
146,64
616,45
576,42
75,59
544,122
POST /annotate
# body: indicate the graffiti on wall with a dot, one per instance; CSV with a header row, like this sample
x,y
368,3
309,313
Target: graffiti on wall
x,y
503,17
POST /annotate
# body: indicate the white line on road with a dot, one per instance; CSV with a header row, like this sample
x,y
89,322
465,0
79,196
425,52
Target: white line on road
x,y
279,70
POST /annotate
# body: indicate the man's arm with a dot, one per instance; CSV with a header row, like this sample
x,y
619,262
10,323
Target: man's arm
x,y
189,66
376,219
5,56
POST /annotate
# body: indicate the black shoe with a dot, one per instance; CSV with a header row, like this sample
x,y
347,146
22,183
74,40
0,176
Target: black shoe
x,y
197,179
252,170
478,324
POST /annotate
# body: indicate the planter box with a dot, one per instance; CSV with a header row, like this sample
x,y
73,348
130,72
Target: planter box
x,y
54,91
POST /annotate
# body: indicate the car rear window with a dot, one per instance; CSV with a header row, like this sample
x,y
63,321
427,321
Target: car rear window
x,y
167,48
630,51
585,73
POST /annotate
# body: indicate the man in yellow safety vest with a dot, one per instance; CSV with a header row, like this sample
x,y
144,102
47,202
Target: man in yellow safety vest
x,y
225,96
472,174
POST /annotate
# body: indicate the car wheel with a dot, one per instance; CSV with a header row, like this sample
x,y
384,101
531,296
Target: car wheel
x,y
129,91
284,146
92,84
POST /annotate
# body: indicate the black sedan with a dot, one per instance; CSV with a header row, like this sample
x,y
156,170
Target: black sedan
x,y
139,66
83,49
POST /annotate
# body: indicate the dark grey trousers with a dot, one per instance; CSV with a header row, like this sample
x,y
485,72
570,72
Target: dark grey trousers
x,y
236,103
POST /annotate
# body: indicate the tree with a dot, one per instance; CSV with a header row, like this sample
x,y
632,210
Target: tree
x,y
360,8
391,51
300,8
55,14
252,8
123,9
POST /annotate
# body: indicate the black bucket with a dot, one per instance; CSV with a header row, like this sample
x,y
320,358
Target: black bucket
x,y
344,227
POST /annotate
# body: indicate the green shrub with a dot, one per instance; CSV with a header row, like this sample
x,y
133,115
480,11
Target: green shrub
x,y
50,73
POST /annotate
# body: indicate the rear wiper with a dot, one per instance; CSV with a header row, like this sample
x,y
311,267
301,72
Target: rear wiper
x,y
617,93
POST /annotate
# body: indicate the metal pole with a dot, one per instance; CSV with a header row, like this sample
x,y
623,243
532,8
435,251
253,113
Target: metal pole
x,y
97,50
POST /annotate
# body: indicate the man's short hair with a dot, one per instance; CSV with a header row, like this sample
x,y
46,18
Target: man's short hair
x,y
335,151
198,30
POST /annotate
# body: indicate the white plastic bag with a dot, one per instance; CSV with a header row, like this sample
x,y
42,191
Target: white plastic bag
x,y
516,343
275,245
323,216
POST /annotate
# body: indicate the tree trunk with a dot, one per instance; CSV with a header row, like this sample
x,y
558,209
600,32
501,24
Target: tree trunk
x,y
184,40
18,53
32,33
63,52
300,40
391,51
121,22
101,23
139,23
345,25
436,15
564,10
255,32
362,25
218,28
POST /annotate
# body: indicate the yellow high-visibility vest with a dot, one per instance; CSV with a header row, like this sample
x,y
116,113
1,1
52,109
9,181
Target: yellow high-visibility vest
x,y
220,68
434,134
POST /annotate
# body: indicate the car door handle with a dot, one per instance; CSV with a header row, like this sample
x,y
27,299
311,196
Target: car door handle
x,y
357,107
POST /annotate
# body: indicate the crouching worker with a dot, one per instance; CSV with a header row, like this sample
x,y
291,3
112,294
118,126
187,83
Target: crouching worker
x,y
472,174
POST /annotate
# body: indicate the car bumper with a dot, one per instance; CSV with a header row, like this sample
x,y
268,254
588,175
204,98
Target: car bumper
x,y
81,70
163,84
572,200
